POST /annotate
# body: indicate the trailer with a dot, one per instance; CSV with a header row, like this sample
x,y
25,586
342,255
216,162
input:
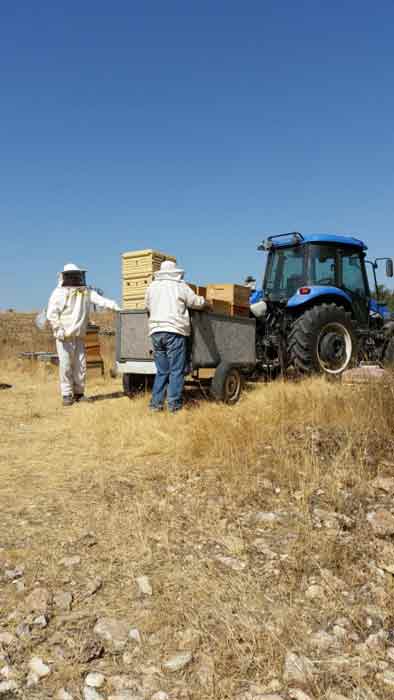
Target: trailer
x,y
222,353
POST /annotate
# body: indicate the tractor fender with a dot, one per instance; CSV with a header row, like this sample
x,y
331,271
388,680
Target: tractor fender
x,y
320,295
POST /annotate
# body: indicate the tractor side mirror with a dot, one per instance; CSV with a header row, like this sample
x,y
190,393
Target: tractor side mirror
x,y
389,268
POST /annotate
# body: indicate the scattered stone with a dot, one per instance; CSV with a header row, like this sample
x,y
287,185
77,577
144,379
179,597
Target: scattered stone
x,y
160,695
266,518
7,639
322,641
134,634
144,585
63,600
69,562
40,621
382,523
13,574
95,680
8,673
7,687
19,585
93,586
114,631
62,694
38,601
390,654
297,669
297,694
314,592
23,631
37,666
178,662
91,694
232,563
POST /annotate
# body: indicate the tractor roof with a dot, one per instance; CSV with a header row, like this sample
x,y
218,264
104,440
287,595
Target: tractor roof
x,y
333,238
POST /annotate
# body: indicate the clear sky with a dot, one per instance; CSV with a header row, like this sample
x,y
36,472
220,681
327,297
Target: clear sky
x,y
189,127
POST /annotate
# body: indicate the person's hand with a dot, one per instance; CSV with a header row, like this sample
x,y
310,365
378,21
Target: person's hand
x,y
208,306
60,334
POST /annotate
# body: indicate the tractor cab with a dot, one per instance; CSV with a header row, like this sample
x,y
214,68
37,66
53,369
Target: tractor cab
x,y
302,270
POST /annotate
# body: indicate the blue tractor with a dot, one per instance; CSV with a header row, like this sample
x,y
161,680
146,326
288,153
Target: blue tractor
x,y
316,312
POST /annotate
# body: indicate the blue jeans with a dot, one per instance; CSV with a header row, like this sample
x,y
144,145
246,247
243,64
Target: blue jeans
x,y
170,359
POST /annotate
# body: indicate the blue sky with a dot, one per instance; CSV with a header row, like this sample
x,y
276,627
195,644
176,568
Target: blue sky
x,y
193,128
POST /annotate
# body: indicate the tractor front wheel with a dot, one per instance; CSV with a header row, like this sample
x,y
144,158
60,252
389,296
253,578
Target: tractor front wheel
x,y
323,340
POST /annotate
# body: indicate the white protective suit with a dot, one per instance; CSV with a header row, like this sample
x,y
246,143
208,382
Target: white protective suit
x,y
168,299
68,313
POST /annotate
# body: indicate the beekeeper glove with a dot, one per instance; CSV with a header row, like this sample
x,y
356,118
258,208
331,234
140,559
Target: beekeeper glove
x,y
60,333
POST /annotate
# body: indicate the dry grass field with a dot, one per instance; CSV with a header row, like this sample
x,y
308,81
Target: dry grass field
x,y
264,531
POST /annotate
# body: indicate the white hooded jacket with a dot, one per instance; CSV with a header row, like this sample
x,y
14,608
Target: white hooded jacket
x,y
168,300
69,308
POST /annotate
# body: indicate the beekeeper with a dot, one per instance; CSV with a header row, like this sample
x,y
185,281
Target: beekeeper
x,y
168,300
68,313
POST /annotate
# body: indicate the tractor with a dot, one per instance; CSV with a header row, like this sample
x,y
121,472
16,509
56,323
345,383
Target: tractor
x,y
316,312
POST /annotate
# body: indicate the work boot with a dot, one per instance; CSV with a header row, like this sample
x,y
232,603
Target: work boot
x,y
68,400
79,397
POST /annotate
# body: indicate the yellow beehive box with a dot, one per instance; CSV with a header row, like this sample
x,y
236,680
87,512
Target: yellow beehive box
x,y
142,262
235,294
130,303
136,286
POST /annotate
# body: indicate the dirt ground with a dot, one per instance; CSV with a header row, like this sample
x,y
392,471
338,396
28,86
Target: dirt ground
x,y
249,547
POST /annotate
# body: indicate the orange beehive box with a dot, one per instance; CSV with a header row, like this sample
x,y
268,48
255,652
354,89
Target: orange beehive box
x,y
235,294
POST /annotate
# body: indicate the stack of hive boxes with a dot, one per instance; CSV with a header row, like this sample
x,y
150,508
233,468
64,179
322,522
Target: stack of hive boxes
x,y
138,268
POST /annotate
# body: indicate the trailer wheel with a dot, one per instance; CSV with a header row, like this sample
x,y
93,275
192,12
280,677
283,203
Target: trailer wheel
x,y
388,358
136,383
323,340
227,384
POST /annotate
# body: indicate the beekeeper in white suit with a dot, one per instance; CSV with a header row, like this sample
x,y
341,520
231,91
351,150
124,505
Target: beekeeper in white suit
x,y
68,313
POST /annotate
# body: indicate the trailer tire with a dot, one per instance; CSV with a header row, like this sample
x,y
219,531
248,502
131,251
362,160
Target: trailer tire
x,y
323,340
227,384
388,358
136,383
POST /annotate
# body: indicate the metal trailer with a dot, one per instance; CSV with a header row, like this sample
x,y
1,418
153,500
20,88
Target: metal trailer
x,y
222,352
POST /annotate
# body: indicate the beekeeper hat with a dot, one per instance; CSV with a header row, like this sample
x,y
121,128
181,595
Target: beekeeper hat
x,y
70,267
169,266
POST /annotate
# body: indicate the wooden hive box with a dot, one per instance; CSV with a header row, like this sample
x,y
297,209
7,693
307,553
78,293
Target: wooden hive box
x,y
235,294
143,262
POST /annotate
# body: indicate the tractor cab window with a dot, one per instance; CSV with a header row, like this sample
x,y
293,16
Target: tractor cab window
x,y
323,265
285,271
353,277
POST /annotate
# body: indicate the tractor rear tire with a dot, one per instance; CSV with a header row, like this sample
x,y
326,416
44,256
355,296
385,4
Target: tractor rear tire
x,y
388,358
323,340
227,384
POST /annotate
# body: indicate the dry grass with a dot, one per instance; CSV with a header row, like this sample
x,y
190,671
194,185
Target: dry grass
x,y
166,495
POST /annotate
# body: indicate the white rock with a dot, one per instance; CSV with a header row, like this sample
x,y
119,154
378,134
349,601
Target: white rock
x,y
37,667
62,694
297,694
160,695
13,574
114,631
63,600
322,641
91,694
135,635
268,518
69,562
8,673
7,687
178,662
331,695
40,621
297,669
144,585
232,563
38,601
95,680
314,592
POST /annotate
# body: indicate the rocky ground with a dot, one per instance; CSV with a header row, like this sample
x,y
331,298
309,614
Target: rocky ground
x,y
198,581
